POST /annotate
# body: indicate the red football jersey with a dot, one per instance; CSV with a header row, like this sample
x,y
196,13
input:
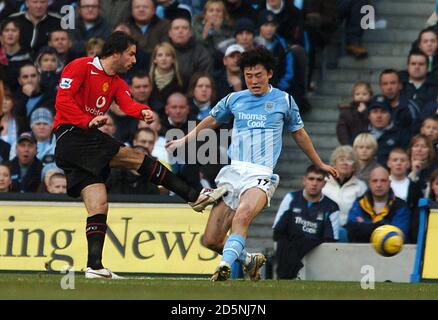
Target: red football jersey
x,y
86,91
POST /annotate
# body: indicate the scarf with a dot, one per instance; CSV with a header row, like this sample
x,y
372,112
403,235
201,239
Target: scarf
x,y
368,206
162,80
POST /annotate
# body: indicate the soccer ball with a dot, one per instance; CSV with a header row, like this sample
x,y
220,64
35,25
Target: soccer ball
x,y
387,240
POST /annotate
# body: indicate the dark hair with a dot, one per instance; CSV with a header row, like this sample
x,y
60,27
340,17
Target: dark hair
x,y
27,64
432,117
7,21
140,74
427,30
117,42
259,55
314,169
389,71
417,52
194,81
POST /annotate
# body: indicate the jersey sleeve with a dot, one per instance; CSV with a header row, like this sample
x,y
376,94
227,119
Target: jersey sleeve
x,y
293,117
221,111
127,104
72,78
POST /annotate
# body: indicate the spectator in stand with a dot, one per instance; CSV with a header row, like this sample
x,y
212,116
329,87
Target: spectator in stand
x,y
94,47
16,56
49,67
213,27
61,41
404,188
433,188
36,23
7,7
430,109
57,184
146,27
379,206
320,22
289,18
405,112
41,122
177,111
381,126
5,149
32,94
353,118
169,9
284,71
350,11
429,128
145,138
202,95
192,56
5,178
115,11
159,151
365,146
89,24
305,219
165,75
423,159
228,79
11,125
347,187
416,85
239,9
141,87
26,167
427,42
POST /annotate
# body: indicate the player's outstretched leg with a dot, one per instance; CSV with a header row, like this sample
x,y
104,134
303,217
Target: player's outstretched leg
x,y
95,200
160,175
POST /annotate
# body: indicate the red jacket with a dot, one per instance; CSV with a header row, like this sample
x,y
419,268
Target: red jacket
x,y
86,91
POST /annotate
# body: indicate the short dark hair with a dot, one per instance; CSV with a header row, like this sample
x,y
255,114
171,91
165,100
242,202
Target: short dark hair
x,y
389,71
314,169
426,30
146,130
7,21
117,42
417,52
259,55
140,74
59,30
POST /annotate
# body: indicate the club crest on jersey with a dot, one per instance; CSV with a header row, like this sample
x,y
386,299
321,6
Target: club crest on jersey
x,y
105,87
65,83
269,106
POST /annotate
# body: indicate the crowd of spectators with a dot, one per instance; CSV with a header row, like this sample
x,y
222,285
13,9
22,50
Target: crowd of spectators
x,y
187,60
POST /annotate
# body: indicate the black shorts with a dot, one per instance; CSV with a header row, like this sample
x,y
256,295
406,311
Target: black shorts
x,y
84,155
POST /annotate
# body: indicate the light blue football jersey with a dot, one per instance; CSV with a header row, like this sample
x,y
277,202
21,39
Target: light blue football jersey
x,y
258,124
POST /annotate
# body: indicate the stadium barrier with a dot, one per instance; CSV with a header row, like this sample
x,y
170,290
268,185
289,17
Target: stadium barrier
x,y
162,237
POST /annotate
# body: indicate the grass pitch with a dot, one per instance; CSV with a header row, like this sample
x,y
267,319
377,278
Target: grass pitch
x,y
48,286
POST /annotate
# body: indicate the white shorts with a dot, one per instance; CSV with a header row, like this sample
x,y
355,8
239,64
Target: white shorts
x,y
241,176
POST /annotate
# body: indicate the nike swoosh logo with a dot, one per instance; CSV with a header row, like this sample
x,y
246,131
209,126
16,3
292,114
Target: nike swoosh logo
x,y
92,72
108,276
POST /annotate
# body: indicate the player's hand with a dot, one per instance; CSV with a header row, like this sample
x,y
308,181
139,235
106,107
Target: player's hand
x,y
330,170
98,121
148,116
174,144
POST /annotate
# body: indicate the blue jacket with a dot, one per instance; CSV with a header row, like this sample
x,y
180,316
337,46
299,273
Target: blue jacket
x,y
362,220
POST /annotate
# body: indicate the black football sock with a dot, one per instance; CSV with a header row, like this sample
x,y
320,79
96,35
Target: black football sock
x,y
158,174
95,231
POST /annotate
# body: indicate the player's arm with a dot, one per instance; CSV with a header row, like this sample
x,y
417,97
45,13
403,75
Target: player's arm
x,y
208,123
129,106
72,79
303,140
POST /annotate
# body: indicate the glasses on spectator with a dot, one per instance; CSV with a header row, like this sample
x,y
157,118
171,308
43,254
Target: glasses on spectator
x,y
89,7
346,161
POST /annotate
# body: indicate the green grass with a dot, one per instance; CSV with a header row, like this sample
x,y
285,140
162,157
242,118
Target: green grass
x,y
47,286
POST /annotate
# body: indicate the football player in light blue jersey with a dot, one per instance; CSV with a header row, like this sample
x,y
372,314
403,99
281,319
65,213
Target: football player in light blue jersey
x,y
260,112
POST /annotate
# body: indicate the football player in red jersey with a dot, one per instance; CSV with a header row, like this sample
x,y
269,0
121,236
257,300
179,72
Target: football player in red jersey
x,y
87,88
